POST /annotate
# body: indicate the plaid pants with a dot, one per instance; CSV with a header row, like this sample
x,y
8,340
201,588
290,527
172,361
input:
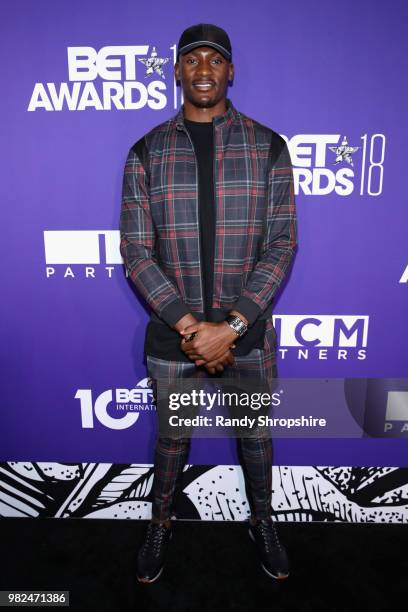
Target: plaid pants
x,y
255,453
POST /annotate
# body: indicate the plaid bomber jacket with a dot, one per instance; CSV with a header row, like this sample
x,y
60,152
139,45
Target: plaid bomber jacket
x,y
256,232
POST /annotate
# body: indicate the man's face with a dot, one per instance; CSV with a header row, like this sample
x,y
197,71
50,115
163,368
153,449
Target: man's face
x,y
204,74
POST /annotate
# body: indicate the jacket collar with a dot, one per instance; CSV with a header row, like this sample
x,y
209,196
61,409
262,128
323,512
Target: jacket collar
x,y
225,119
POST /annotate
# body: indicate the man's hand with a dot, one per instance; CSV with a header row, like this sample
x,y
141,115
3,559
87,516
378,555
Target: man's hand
x,y
210,342
218,366
213,348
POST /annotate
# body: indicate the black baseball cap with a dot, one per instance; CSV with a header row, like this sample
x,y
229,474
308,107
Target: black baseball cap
x,y
205,35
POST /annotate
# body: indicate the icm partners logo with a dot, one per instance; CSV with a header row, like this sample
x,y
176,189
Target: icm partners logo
x,y
322,337
116,408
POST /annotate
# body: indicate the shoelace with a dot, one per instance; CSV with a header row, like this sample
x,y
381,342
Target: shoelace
x,y
154,539
269,535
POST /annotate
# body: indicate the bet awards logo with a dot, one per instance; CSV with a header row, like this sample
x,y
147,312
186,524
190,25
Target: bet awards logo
x,y
327,163
106,79
118,409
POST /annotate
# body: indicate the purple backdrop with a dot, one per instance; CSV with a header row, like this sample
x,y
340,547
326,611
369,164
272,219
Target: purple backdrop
x,y
315,72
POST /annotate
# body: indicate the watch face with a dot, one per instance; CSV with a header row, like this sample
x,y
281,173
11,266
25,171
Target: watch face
x,y
237,324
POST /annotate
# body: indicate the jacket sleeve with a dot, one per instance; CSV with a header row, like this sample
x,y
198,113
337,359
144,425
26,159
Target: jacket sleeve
x,y
137,245
279,243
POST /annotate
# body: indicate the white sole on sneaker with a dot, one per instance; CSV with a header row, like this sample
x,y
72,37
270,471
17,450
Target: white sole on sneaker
x,y
150,580
280,577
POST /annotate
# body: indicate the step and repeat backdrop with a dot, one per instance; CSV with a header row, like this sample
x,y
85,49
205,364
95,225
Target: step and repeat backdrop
x,y
82,82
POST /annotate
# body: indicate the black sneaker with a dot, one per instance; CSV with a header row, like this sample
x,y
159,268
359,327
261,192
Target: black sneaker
x,y
272,553
152,553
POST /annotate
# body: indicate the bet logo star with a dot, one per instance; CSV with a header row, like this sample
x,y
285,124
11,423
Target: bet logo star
x,y
154,63
343,152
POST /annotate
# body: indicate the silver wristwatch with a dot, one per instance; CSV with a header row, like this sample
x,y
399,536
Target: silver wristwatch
x,y
237,324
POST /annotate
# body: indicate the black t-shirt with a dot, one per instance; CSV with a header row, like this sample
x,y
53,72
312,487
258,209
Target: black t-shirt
x,y
161,340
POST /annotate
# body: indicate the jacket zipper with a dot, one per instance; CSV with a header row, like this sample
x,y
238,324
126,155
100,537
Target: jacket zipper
x,y
198,223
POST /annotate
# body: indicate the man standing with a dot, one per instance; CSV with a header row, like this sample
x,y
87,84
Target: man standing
x,y
208,232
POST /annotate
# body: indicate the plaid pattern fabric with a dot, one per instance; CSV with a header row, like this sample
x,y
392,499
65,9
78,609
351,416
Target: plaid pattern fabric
x,y
255,453
255,218
171,455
